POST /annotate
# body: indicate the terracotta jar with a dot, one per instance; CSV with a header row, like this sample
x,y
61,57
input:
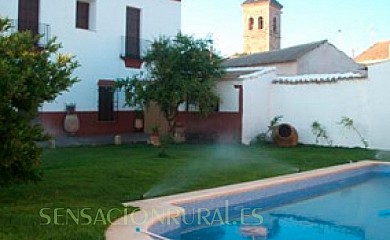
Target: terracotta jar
x,y
285,135
139,121
71,120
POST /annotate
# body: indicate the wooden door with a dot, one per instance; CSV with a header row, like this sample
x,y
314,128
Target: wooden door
x,y
154,117
106,103
133,16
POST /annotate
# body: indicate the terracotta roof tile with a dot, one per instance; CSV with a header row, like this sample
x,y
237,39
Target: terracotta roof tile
x,y
379,51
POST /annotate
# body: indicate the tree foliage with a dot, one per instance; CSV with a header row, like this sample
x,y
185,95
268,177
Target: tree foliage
x,y
29,75
181,69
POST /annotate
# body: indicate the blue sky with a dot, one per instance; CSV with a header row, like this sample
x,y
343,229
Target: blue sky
x,y
351,25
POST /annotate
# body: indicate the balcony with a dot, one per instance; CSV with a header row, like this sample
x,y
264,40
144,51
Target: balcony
x,y
133,50
35,28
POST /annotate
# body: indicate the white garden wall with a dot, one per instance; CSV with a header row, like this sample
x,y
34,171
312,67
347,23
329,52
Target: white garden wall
x,y
326,98
365,100
379,105
302,104
256,105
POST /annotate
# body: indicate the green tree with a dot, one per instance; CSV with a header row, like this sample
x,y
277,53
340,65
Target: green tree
x,y
29,76
181,69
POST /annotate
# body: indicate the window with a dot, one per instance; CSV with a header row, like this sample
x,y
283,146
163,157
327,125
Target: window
x,y
251,23
29,16
217,106
274,25
82,15
260,23
106,103
192,107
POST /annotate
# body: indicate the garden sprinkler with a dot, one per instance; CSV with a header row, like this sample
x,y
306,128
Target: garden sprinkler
x,y
144,196
139,230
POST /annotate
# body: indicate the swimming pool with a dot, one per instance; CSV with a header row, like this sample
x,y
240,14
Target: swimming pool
x,y
358,210
349,202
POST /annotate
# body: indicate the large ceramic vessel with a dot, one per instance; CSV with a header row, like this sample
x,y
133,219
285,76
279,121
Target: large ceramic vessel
x,y
71,121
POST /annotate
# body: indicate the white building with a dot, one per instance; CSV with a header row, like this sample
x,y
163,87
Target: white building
x,y
319,57
308,98
239,117
379,52
108,39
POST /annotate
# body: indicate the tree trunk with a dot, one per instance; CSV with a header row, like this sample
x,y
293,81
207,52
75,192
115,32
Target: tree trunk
x,y
171,118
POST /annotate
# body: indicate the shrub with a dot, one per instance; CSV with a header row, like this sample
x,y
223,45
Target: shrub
x,y
29,75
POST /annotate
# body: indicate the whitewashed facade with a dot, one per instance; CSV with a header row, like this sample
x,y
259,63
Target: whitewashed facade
x,y
100,48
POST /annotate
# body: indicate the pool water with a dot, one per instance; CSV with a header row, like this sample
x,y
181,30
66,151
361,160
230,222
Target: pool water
x,y
359,211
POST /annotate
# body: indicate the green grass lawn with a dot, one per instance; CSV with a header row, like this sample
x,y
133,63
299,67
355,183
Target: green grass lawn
x,y
100,178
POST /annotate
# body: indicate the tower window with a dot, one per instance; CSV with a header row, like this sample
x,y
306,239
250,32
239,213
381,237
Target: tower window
x,y
274,25
260,23
251,23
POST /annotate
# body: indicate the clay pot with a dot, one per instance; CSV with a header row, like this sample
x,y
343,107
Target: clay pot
x,y
179,134
155,139
117,139
71,123
285,135
138,124
139,121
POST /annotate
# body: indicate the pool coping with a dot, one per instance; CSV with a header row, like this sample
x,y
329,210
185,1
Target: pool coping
x,y
166,207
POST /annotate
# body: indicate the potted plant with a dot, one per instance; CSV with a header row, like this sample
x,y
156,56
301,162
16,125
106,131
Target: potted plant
x,y
71,120
179,134
155,136
70,108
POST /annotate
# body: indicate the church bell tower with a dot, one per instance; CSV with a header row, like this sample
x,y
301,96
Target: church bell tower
x,y
262,21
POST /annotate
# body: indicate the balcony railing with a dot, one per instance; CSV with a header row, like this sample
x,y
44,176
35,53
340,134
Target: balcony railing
x,y
133,47
35,28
